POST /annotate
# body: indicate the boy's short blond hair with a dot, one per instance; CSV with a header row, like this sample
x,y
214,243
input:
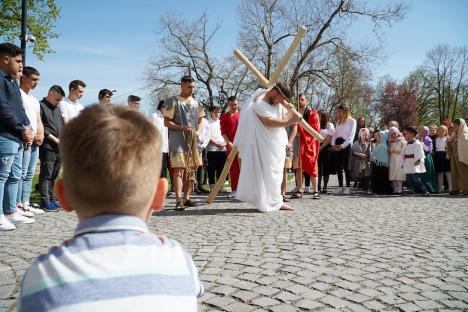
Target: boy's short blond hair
x,y
111,159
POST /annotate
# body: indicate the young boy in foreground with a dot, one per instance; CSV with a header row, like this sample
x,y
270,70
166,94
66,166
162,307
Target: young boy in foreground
x,y
111,167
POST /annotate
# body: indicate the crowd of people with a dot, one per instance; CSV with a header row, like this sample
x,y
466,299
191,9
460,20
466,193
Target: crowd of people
x,y
30,130
197,140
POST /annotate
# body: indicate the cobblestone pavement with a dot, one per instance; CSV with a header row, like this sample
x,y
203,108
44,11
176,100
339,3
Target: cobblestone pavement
x,y
345,253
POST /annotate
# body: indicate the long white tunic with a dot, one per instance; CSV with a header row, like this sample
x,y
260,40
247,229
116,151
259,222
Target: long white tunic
x,y
409,165
262,151
396,171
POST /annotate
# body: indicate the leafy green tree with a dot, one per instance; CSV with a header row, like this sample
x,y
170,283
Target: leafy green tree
x,y
40,23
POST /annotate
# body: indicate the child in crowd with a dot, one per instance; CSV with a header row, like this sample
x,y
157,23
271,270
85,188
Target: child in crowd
x,y
361,154
441,162
380,162
111,178
412,158
396,174
429,176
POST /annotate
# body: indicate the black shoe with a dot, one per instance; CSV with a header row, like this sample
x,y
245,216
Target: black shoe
x,y
190,203
179,206
316,196
324,191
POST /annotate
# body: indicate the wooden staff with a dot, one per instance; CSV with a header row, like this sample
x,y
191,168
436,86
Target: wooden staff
x,y
285,104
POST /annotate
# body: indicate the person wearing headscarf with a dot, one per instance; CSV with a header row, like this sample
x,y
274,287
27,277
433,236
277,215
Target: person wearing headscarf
x,y
429,176
457,150
396,142
380,162
361,154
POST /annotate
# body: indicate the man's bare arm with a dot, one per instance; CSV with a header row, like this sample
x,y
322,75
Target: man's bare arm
x,y
278,123
173,126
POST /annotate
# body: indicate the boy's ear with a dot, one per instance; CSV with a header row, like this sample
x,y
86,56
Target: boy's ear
x,y
61,195
160,195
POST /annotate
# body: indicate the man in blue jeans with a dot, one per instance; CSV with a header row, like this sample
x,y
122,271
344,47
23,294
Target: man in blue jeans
x,y
14,133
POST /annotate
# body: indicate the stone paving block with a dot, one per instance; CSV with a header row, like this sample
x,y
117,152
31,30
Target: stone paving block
x,y
297,289
6,290
374,305
245,296
455,304
287,297
411,296
266,291
238,307
348,285
321,286
390,299
223,290
428,304
409,307
309,304
435,295
265,302
357,298
220,302
460,295
283,308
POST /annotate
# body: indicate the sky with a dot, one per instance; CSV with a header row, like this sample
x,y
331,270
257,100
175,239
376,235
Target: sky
x,y
108,44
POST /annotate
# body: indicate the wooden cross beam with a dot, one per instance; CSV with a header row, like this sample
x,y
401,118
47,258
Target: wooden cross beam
x,y
268,84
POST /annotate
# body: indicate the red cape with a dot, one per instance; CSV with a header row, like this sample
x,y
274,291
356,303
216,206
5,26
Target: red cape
x,y
309,146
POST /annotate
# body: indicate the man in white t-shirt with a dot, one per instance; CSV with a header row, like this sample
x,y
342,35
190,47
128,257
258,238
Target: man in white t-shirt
x,y
70,107
29,81
158,121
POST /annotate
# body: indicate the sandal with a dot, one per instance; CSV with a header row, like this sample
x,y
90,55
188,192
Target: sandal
x,y
179,206
190,203
285,199
316,196
296,195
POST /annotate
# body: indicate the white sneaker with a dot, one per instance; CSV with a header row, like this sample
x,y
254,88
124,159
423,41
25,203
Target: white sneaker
x,y
19,219
231,195
307,189
25,213
6,225
339,191
28,207
347,191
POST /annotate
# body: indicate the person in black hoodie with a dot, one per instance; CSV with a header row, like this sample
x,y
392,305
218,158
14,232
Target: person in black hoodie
x,y
49,150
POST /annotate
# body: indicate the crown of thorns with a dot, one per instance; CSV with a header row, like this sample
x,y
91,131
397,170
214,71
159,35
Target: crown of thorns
x,y
282,90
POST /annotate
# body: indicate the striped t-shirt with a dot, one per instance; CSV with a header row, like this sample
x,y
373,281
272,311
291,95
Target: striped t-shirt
x,y
112,263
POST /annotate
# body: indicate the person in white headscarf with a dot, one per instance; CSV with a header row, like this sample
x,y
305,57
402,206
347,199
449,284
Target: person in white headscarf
x,y
457,149
395,146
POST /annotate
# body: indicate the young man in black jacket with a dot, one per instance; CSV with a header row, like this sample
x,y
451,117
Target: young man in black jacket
x,y
49,150
14,134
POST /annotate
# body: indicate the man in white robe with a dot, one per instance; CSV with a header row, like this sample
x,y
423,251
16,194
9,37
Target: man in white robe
x,y
261,139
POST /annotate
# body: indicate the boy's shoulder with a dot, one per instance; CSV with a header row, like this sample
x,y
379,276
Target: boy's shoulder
x,y
118,260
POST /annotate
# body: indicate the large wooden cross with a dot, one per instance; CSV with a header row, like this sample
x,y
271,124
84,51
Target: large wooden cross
x,y
269,85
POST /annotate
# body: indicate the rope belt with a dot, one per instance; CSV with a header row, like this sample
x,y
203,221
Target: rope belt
x,y
191,158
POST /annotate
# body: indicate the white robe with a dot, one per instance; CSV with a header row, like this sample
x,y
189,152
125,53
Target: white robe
x,y
417,150
262,151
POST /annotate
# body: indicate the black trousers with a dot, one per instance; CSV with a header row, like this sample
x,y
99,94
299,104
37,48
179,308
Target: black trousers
x,y
216,161
50,168
342,164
